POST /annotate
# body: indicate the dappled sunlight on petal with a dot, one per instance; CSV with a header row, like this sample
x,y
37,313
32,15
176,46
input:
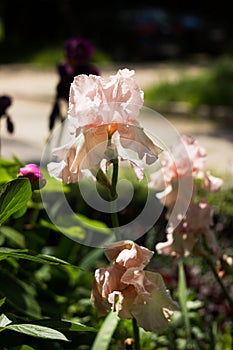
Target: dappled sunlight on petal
x,y
155,315
128,254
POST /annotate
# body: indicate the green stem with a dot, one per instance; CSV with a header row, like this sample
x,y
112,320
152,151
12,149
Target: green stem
x,y
114,178
113,196
136,335
183,298
36,201
34,216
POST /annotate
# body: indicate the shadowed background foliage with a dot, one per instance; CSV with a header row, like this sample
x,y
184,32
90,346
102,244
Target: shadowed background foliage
x,y
27,26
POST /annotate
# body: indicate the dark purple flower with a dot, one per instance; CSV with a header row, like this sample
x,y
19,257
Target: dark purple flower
x,y
78,52
33,173
78,48
5,102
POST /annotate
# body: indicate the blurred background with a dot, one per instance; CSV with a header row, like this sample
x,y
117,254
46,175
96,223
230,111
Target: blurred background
x,y
181,53
150,30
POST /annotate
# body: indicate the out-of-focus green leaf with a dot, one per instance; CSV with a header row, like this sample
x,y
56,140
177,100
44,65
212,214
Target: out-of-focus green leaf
x,y
13,197
87,262
51,259
14,236
2,301
106,331
9,169
19,294
93,224
79,228
37,331
17,214
20,254
65,325
6,252
77,221
6,163
52,185
5,176
75,232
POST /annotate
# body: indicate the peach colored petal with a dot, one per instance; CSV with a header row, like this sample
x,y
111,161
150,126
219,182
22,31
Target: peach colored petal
x,y
125,302
134,138
86,152
185,158
137,278
93,150
140,294
89,148
179,243
107,281
199,217
123,154
128,254
98,109
155,315
147,299
197,221
211,183
157,182
55,169
102,304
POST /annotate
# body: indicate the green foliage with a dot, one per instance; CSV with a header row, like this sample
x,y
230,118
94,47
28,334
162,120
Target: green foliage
x,y
222,202
46,277
212,87
51,56
30,329
41,54
14,197
104,336
38,297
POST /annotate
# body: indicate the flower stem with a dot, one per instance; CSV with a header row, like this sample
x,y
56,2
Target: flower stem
x,y
113,196
136,334
114,178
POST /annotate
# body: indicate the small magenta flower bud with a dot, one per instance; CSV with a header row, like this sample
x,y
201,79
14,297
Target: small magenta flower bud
x,y
33,173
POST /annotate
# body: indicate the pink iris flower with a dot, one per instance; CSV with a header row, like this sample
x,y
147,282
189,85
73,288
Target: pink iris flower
x,y
125,287
182,240
101,118
185,159
186,162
